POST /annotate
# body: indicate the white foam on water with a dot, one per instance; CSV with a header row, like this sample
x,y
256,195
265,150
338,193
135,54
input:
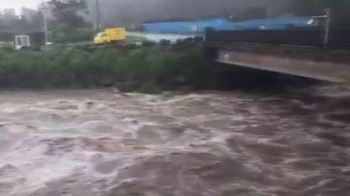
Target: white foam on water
x,y
201,144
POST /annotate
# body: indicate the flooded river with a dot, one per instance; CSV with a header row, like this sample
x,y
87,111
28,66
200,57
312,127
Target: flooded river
x,y
105,143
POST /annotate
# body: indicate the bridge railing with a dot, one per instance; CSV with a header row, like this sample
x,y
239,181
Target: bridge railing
x,y
311,38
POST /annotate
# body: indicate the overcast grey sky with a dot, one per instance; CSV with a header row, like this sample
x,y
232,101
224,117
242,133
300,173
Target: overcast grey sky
x,y
18,4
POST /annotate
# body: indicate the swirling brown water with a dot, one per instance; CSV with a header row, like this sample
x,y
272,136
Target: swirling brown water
x,y
102,143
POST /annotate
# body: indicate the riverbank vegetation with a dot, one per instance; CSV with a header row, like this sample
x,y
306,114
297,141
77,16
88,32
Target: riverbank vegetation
x,y
148,69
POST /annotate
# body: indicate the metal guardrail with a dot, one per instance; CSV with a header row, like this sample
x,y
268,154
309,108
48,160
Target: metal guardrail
x,y
313,38
158,37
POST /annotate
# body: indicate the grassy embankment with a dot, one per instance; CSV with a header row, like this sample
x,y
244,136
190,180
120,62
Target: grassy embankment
x,y
145,69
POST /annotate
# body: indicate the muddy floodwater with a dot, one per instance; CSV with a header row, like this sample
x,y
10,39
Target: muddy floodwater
x,y
105,143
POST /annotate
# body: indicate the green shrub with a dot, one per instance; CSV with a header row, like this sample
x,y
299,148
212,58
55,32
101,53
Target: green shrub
x,y
75,36
145,69
6,36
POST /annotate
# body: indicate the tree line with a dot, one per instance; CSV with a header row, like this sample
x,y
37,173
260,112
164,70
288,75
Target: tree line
x,y
33,19
60,23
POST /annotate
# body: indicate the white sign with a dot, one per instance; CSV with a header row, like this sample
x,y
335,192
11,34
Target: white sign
x,y
194,28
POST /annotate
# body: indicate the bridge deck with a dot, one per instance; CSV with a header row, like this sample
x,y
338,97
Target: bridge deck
x,y
317,63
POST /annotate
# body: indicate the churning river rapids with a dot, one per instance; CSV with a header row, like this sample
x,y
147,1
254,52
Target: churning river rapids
x,y
105,143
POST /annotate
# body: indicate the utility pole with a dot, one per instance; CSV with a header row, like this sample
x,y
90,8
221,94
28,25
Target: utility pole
x,y
44,7
327,27
97,15
45,26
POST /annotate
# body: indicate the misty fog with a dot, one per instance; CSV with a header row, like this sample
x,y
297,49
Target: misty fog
x,y
138,11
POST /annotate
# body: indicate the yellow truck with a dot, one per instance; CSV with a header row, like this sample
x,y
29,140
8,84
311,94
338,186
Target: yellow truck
x,y
111,35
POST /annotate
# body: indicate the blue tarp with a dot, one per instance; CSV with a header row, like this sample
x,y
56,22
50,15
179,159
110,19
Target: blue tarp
x,y
188,26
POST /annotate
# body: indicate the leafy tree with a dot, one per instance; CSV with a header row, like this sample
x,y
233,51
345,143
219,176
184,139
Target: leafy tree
x,y
65,11
68,5
70,18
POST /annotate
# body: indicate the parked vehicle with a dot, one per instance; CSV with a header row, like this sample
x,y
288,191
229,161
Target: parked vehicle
x,y
22,41
32,40
110,35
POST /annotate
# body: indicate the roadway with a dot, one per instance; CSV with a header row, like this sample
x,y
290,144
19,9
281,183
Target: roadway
x,y
158,37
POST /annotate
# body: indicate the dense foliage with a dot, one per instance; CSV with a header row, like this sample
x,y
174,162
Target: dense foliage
x,y
145,69
76,35
32,20
67,5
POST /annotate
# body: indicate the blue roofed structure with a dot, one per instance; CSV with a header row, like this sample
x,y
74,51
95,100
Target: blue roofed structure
x,y
188,27
222,23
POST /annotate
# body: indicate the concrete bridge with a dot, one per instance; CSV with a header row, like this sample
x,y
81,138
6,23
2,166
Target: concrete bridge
x,y
307,61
